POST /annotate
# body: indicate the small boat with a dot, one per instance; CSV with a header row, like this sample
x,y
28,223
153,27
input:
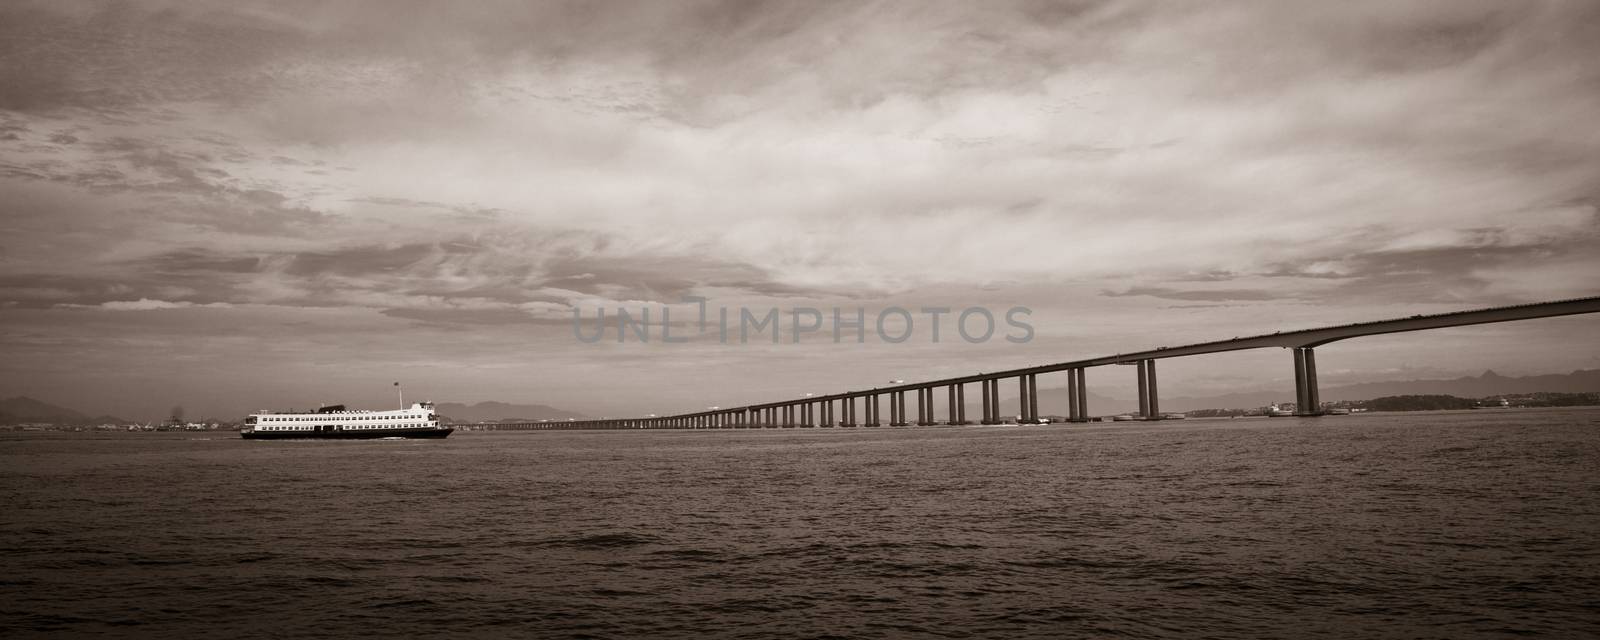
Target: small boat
x,y
1125,417
1337,411
1174,416
1277,411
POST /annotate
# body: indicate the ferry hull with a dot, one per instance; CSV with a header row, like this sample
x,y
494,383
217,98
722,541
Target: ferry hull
x,y
361,434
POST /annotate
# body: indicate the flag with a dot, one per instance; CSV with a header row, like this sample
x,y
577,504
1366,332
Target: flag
x,y
396,384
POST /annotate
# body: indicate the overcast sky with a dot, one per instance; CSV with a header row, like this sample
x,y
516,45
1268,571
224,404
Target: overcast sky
x,y
232,205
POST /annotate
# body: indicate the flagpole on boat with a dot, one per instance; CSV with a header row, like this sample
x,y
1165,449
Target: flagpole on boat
x,y
400,392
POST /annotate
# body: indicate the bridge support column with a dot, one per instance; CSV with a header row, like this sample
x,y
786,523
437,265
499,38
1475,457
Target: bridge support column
x,y
1033,397
1083,395
1144,391
1155,397
994,402
960,415
1022,400
950,418
1072,395
1307,400
986,402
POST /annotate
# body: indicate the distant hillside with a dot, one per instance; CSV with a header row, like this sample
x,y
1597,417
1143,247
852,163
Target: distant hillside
x,y
1417,403
499,411
25,409
1054,401
1488,384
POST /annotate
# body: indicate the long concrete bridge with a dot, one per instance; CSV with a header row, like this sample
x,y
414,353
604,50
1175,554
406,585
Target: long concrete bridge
x,y
841,409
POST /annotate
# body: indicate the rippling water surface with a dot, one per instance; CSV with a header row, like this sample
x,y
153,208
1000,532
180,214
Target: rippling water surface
x,y
1404,525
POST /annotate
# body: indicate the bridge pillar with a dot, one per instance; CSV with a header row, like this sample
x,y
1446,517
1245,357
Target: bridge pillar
x,y
1155,397
986,402
994,401
1072,395
1299,379
1144,391
1307,400
874,416
1022,400
950,418
1083,395
1033,397
961,405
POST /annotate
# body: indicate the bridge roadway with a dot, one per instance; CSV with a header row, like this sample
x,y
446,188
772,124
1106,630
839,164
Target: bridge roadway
x,y
822,410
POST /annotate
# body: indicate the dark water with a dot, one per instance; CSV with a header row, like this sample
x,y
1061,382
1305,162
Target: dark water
x,y
1447,525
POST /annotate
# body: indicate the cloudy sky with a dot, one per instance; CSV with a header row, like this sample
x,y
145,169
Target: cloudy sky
x,y
234,205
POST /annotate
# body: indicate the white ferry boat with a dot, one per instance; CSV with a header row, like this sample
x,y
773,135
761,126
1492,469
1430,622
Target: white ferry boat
x,y
336,423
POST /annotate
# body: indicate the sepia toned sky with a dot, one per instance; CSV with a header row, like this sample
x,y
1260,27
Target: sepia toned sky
x,y
234,205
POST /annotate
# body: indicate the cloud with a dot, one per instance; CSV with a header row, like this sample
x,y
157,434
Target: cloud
x,y
146,304
1216,295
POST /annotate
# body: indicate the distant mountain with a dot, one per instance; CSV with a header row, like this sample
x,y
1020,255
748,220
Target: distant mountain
x,y
25,409
499,411
1488,384
1054,401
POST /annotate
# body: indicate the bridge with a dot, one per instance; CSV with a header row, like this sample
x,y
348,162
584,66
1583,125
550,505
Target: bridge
x,y
840,409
